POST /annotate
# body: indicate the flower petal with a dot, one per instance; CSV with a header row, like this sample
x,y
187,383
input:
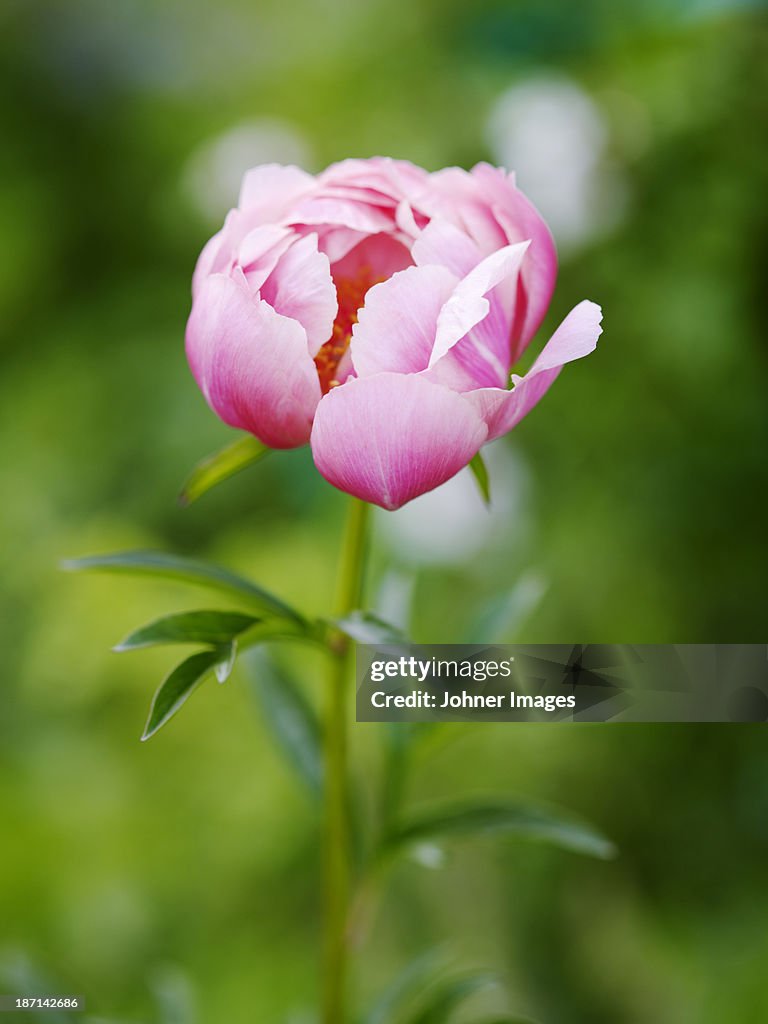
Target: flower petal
x,y
408,222
357,216
521,220
396,326
259,252
266,194
388,438
206,261
336,242
301,287
252,365
380,256
575,337
454,195
396,178
443,243
267,191
359,193
468,305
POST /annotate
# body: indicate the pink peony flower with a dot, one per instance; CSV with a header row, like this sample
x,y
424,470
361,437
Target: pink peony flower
x,y
375,311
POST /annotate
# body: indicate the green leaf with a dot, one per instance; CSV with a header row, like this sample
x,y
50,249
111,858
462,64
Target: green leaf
x,y
177,687
223,669
506,613
289,715
402,740
480,471
443,1001
220,466
205,627
407,985
367,628
281,629
508,819
398,743
187,570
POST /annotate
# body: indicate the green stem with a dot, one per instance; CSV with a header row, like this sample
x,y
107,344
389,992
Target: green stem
x,y
337,839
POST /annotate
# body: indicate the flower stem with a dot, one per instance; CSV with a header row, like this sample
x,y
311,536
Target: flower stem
x,y
337,838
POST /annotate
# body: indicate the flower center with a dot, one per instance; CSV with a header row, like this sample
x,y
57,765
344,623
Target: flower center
x,y
350,292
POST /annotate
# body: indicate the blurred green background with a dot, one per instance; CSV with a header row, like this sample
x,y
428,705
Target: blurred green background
x,y
631,507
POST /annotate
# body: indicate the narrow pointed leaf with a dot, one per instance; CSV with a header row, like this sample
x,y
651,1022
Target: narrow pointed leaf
x,y
177,687
223,668
397,748
220,466
289,715
441,1003
267,630
205,627
367,628
504,615
186,570
405,987
480,473
401,742
507,819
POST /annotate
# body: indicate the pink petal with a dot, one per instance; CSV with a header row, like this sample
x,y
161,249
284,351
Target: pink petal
x,y
521,220
301,287
362,195
265,195
405,218
443,243
267,191
388,438
396,326
484,355
575,337
453,195
220,252
359,193
207,260
468,306
336,242
259,252
380,255
252,365
326,210
397,178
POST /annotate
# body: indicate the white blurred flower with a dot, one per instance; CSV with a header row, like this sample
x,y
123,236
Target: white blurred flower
x,y
212,176
550,132
394,600
429,855
451,524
